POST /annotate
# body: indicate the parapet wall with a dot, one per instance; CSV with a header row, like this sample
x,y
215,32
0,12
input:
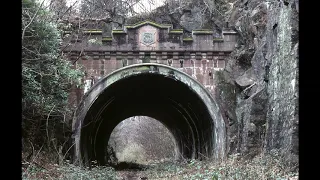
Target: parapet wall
x,y
149,36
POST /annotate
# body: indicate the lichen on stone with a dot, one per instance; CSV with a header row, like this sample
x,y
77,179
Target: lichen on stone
x,y
202,31
118,32
187,39
147,22
92,31
176,31
107,38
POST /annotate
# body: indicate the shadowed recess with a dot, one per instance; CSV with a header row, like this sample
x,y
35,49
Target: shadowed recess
x,y
161,96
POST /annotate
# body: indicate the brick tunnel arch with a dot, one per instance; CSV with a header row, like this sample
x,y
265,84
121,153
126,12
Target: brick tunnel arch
x,y
172,97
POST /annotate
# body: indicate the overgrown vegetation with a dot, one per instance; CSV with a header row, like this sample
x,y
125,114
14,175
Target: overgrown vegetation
x,y
67,172
46,81
261,167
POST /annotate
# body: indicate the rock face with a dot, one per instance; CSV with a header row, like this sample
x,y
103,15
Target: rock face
x,y
264,70
191,19
187,15
282,115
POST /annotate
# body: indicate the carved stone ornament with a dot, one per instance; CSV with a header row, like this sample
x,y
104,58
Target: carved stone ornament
x,y
148,38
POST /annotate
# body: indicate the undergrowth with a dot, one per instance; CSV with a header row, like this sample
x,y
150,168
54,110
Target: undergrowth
x,y
66,172
263,167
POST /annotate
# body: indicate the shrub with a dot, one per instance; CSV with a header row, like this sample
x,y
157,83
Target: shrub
x,y
46,78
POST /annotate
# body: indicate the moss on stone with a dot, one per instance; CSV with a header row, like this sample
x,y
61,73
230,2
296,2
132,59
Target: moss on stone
x,y
202,31
118,32
176,31
187,39
107,38
148,22
92,31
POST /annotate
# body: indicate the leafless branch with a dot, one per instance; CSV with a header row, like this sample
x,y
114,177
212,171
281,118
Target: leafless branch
x,y
68,150
35,14
78,56
67,10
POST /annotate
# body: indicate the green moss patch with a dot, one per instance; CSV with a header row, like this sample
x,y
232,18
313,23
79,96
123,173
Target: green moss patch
x,y
107,38
176,32
202,31
147,22
92,31
187,39
118,32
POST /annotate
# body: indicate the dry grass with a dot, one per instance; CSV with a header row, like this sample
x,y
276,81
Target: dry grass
x,y
234,168
66,172
261,167
45,166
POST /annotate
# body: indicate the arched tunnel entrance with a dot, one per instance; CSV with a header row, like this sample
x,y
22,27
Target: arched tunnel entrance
x,y
158,91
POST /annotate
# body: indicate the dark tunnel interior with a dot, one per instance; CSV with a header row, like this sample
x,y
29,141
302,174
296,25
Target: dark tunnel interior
x,y
164,98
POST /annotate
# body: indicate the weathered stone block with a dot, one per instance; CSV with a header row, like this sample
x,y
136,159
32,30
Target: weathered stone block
x,y
189,71
246,79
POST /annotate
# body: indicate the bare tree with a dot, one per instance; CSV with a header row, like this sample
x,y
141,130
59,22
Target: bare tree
x,y
115,11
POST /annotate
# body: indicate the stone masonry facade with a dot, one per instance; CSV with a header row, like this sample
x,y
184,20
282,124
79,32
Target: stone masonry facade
x,y
100,52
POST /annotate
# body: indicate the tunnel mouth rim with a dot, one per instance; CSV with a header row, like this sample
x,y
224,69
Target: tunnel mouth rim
x,y
145,64
151,68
